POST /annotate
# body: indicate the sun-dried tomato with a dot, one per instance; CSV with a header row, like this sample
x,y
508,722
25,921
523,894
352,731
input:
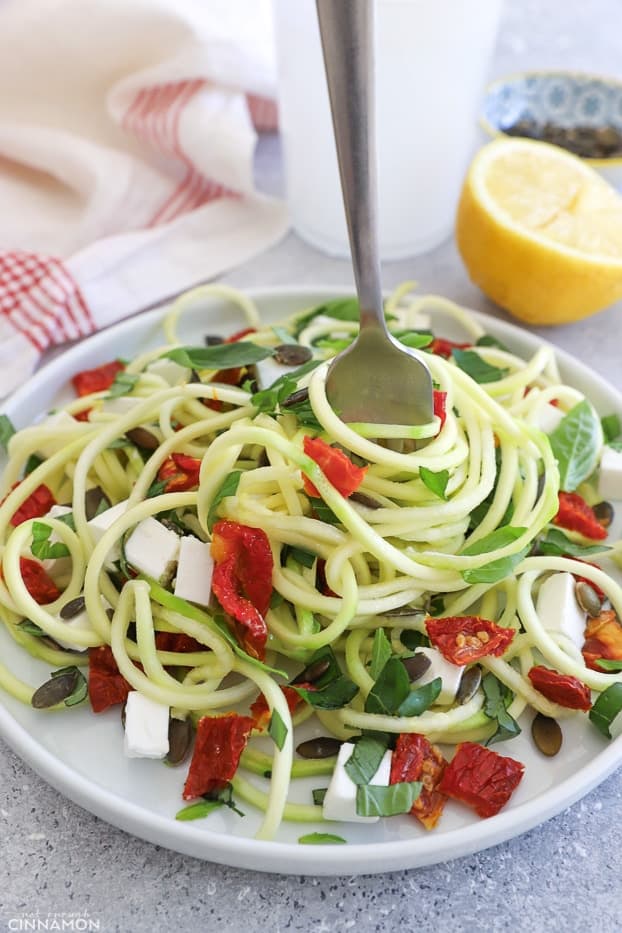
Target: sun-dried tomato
x,y
564,689
463,639
260,711
242,581
603,639
481,778
576,515
40,586
98,379
230,377
82,415
181,473
38,503
338,469
442,347
416,759
439,400
219,743
240,334
107,687
177,641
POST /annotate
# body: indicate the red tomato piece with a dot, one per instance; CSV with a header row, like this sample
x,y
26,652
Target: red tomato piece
x,y
260,711
463,639
240,334
107,687
338,469
82,415
40,586
576,515
38,503
481,778
416,759
177,641
98,379
603,639
181,473
219,743
440,399
442,347
564,689
242,581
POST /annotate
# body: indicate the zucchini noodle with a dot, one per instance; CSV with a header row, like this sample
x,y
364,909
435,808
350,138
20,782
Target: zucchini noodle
x,y
448,527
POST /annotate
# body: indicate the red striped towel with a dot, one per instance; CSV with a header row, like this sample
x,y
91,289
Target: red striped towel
x,y
126,159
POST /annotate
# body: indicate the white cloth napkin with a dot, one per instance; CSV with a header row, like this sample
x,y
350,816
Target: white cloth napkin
x,y
127,132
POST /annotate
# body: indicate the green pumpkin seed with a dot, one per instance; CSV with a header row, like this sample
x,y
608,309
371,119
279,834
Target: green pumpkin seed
x,y
546,734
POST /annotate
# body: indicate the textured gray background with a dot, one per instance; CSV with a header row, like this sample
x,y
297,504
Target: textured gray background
x,y
563,876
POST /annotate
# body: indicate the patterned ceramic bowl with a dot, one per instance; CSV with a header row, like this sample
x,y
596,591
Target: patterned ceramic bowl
x,y
564,99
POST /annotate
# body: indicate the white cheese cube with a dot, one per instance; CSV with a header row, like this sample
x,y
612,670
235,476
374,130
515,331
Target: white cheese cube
x,y
146,727
450,674
268,371
170,371
340,800
102,522
152,549
610,475
558,609
195,566
548,417
80,622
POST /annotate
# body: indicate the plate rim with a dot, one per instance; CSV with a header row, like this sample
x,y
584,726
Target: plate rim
x,y
285,857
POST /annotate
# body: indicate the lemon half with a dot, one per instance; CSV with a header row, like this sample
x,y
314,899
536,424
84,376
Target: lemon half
x,y
540,232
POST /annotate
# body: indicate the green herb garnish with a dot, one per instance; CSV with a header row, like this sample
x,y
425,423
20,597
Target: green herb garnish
x,y
498,698
376,800
123,384
41,546
365,759
321,839
277,729
221,356
476,367
575,443
436,482
228,488
7,430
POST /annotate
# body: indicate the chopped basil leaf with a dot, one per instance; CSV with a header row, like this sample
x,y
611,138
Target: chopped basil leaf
x,y
196,811
496,570
31,628
376,800
390,689
41,546
334,695
221,356
436,607
608,665
123,384
611,427
305,414
157,488
365,759
421,699
412,639
487,341
477,368
32,463
575,443
380,653
318,795
323,512
415,339
341,309
498,698
277,729
271,398
558,544
225,795
225,631
300,555
228,488
282,334
321,839
499,538
336,344
276,600
480,511
436,482
79,692
606,708
7,430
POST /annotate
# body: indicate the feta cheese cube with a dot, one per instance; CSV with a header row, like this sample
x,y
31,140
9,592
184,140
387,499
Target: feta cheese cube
x,y
558,609
610,475
80,622
195,566
340,800
146,727
152,549
548,417
102,522
450,674
170,371
268,371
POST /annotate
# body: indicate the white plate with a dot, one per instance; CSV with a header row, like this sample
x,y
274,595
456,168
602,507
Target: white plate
x,y
81,754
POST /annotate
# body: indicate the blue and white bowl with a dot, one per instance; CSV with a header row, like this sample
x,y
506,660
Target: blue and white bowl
x,y
565,98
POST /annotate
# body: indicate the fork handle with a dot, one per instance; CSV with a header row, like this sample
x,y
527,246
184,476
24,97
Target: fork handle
x,y
347,32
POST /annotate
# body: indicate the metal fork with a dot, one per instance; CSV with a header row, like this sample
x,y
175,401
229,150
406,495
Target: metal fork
x,y
376,380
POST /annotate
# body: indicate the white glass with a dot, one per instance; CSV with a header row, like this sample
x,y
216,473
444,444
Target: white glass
x,y
432,60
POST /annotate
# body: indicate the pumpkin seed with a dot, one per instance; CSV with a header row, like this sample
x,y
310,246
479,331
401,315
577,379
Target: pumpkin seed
x,y
604,513
72,608
469,685
213,340
180,734
546,734
587,598
365,500
55,690
313,672
143,438
93,502
123,708
323,747
403,612
292,354
416,666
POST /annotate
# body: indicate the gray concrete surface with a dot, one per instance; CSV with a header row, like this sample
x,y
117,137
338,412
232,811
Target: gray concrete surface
x,y
56,860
